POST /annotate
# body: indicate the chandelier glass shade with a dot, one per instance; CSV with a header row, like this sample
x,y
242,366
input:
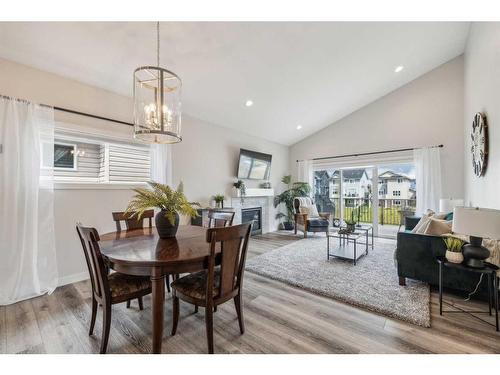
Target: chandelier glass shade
x,y
157,103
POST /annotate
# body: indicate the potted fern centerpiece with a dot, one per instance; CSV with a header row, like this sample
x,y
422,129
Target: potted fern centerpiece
x,y
170,202
454,249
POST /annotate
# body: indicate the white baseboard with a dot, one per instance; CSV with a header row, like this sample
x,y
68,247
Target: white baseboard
x,y
70,279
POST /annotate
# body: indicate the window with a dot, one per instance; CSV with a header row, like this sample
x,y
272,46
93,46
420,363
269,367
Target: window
x,y
396,193
65,156
97,160
400,180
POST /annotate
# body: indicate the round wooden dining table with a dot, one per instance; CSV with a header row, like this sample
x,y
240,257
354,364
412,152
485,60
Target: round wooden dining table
x,y
141,252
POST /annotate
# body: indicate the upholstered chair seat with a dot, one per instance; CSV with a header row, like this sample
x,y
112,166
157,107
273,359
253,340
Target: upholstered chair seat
x,y
194,285
120,284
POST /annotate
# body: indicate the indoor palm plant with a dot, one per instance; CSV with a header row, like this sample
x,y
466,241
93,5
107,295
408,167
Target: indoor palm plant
x,y
170,202
454,249
296,189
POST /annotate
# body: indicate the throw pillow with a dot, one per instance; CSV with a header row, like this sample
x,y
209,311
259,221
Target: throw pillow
x,y
449,216
436,227
421,224
440,215
311,211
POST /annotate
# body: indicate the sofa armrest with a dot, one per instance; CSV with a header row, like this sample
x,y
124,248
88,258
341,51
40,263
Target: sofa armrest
x,y
411,222
416,256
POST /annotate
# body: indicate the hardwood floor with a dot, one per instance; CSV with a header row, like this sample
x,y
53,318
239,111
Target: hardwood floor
x,y
279,319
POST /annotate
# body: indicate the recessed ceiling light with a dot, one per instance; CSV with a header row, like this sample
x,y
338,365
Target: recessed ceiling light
x,y
299,127
249,103
399,68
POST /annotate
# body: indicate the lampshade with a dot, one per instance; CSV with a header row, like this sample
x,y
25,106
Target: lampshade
x,y
448,204
478,222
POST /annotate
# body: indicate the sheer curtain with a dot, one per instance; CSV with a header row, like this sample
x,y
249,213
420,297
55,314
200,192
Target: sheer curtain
x,y
305,172
28,264
428,178
161,163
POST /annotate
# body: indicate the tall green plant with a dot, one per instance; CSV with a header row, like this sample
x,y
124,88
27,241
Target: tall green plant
x,y
163,197
295,189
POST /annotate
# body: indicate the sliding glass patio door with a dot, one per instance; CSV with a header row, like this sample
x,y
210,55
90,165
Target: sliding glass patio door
x,y
380,195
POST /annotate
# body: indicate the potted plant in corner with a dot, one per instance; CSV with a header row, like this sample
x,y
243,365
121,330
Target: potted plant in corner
x,y
170,202
454,249
296,189
219,200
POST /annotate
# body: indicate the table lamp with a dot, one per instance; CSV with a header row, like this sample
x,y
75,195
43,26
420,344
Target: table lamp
x,y
477,223
449,204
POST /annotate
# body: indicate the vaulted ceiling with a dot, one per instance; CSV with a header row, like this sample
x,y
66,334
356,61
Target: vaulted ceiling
x,y
307,74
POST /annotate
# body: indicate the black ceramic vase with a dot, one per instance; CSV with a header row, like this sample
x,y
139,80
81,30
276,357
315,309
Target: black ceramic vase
x,y
164,227
351,227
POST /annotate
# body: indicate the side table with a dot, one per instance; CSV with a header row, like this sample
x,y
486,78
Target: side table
x,y
489,269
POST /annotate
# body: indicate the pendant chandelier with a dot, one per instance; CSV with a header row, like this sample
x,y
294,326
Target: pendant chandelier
x,y
157,102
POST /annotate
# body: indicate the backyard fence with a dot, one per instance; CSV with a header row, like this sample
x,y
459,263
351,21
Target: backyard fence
x,y
390,212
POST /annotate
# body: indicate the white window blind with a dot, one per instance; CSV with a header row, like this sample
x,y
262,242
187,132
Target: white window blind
x,y
121,163
103,161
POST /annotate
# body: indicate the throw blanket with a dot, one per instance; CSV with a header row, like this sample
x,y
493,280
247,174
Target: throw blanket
x,y
304,201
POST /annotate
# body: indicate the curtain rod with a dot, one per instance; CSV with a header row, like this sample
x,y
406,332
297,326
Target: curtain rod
x,y
371,153
61,109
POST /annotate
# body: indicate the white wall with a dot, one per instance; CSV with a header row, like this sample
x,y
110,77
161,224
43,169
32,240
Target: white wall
x,y
482,94
207,158
427,111
205,161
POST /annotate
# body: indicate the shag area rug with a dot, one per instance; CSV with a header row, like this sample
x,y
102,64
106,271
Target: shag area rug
x,y
371,284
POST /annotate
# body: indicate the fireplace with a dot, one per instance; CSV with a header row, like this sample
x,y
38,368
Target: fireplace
x,y
253,214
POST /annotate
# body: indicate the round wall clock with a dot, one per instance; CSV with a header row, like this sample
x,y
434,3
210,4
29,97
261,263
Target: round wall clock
x,y
479,148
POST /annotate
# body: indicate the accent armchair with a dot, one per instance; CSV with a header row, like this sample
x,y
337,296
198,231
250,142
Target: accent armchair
x,y
307,219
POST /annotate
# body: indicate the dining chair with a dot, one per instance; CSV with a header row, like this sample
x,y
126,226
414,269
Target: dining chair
x,y
216,285
108,289
217,219
131,220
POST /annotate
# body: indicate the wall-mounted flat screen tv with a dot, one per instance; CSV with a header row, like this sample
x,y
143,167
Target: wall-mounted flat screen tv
x,y
254,165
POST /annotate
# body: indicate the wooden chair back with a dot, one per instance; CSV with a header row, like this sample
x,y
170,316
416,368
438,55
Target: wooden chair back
x,y
217,219
95,262
234,244
131,220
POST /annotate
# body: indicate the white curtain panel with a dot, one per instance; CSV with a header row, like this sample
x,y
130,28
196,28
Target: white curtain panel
x,y
305,172
28,264
428,178
161,163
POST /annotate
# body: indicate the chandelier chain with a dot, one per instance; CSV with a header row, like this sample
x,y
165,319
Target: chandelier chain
x,y
158,43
